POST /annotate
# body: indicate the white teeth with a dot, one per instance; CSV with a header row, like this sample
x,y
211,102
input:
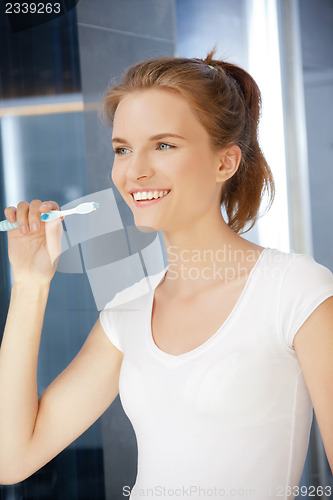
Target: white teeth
x,y
148,195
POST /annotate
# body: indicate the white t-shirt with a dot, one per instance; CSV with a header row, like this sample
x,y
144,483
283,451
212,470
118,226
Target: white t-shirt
x,y
231,418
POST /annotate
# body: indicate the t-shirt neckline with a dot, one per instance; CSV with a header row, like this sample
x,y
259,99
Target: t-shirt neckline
x,y
193,352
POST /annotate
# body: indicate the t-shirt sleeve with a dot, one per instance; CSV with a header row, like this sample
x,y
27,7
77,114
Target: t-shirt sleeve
x,y
107,320
306,284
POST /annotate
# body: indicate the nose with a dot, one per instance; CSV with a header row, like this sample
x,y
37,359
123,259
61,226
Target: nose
x,y
139,167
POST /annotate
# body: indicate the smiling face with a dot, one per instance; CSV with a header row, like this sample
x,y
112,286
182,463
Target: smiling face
x,y
180,172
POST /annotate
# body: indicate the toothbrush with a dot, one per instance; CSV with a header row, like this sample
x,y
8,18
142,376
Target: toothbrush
x,y
83,208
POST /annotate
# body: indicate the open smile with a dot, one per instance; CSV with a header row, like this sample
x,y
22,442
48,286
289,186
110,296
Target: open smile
x,y
145,198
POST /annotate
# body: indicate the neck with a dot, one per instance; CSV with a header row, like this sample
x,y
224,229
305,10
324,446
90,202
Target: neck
x,y
206,254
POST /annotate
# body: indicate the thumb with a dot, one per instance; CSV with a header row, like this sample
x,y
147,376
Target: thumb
x,y
53,233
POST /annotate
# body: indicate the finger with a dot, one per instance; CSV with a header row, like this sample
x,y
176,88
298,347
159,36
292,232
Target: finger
x,y
34,216
22,212
10,213
49,205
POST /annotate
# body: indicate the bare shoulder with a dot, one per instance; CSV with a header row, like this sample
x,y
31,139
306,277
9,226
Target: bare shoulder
x,y
247,246
313,345
248,253
253,247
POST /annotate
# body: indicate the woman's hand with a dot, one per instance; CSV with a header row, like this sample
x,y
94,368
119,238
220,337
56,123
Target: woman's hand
x,y
35,246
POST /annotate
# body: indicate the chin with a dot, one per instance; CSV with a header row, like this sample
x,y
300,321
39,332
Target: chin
x,y
146,229
148,225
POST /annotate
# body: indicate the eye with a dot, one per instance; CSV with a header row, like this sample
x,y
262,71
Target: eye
x,y
165,144
117,151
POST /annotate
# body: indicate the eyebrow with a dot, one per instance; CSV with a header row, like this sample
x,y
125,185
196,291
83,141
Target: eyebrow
x,y
153,138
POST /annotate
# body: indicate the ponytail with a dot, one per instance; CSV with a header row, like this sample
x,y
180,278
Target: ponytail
x,y
243,192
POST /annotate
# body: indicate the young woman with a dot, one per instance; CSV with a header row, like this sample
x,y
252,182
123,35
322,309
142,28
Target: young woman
x,y
223,361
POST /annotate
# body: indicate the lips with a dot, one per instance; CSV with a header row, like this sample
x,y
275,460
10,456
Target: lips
x,y
149,197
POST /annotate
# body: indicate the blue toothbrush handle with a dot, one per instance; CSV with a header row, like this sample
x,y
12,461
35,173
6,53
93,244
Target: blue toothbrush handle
x,y
7,226
50,216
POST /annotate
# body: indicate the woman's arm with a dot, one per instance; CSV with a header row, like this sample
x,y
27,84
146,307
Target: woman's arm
x,y
18,372
32,432
313,345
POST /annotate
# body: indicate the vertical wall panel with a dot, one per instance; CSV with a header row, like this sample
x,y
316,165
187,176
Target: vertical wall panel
x,y
316,20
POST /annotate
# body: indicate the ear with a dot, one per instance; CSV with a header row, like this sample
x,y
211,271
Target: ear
x,y
229,161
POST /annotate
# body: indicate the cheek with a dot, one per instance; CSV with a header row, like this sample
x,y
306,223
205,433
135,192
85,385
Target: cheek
x,y
195,172
116,177
184,167
119,180
113,177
